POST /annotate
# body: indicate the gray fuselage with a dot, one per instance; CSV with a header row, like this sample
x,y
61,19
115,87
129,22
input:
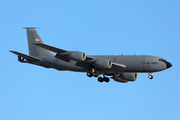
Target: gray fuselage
x,y
133,64
121,68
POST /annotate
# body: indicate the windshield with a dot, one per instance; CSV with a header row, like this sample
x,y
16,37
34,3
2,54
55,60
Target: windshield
x,y
162,60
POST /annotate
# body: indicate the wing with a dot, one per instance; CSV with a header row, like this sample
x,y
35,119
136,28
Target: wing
x,y
58,50
27,57
62,54
51,48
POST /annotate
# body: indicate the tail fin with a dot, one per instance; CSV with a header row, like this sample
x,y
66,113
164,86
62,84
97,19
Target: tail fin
x,y
33,37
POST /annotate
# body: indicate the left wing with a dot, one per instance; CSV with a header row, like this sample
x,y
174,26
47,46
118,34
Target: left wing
x,y
62,54
51,48
57,50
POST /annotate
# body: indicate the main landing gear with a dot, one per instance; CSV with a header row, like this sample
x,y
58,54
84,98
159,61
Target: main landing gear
x,y
100,79
90,74
150,76
105,79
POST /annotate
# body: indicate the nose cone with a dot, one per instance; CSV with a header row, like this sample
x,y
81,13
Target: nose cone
x,y
168,64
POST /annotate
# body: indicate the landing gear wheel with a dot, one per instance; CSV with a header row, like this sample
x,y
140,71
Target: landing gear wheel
x,y
89,74
106,79
100,79
150,77
95,74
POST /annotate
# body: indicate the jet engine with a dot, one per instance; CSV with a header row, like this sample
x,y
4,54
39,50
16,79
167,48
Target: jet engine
x,y
103,63
76,55
125,77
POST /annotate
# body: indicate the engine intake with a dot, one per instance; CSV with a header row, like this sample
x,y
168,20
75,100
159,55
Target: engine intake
x,y
76,55
103,63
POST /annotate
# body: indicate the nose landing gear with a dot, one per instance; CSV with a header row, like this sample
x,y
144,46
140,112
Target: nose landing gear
x,y
150,76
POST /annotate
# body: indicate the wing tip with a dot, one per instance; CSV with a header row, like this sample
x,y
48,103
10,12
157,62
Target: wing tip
x,y
12,51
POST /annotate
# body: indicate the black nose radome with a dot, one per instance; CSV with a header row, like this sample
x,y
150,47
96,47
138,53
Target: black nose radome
x,y
168,64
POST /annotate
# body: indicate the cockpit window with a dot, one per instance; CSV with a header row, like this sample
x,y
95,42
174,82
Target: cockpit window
x,y
162,60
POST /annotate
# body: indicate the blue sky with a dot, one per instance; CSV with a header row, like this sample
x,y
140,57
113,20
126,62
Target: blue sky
x,y
95,27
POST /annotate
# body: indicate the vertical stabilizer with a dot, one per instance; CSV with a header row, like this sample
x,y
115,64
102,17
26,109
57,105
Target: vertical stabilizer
x,y
33,37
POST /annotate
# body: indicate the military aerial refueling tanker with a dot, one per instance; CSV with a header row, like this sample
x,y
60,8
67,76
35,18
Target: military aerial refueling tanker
x,y
121,68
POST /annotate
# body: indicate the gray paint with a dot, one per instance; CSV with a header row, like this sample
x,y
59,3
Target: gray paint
x,y
133,63
33,37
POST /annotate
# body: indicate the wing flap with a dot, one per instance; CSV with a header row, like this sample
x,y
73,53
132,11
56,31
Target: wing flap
x,y
27,57
118,65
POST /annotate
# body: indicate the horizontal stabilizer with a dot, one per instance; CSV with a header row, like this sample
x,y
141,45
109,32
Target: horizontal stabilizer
x,y
31,27
27,57
51,48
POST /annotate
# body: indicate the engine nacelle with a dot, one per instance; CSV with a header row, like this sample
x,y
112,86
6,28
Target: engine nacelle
x,y
103,63
118,79
76,55
129,76
125,77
